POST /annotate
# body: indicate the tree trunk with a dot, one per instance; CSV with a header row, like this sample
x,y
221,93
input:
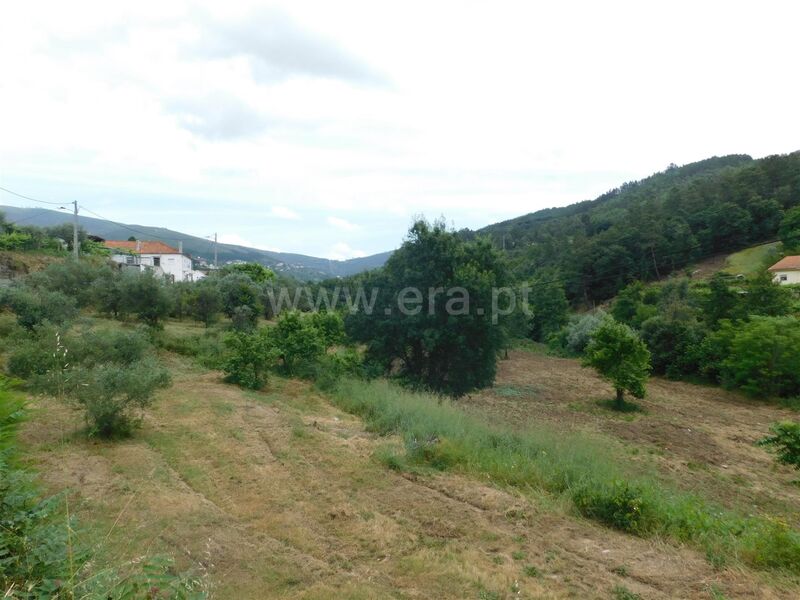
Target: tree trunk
x,y
619,402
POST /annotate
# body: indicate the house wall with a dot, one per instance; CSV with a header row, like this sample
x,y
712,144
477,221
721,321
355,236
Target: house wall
x,y
791,277
177,266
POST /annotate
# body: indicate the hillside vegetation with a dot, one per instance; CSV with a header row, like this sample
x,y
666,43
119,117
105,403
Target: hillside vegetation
x,y
647,229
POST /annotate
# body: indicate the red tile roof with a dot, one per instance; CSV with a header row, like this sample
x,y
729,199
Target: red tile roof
x,y
788,263
142,247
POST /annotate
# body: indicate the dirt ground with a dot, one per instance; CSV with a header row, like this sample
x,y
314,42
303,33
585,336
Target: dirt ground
x,y
277,495
701,437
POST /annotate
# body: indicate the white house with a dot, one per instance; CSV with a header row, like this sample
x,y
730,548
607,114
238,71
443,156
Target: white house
x,y
158,256
787,270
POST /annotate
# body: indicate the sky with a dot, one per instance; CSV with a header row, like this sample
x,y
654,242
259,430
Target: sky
x,y
325,128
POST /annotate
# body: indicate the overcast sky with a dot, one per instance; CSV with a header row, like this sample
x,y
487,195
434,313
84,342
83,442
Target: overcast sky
x,y
324,127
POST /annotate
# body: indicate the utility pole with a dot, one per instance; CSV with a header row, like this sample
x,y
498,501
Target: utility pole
x,y
75,247
215,249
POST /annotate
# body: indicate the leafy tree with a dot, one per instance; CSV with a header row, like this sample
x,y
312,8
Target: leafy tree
x,y
762,356
673,343
296,339
252,354
578,333
244,318
146,296
765,297
34,308
789,231
548,304
433,316
621,358
785,441
721,301
64,232
108,294
237,289
330,327
257,273
114,396
205,301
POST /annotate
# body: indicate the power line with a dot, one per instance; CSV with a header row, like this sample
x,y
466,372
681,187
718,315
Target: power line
x,y
13,193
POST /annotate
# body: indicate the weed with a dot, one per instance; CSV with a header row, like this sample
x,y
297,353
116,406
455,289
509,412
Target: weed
x,y
531,571
437,434
622,593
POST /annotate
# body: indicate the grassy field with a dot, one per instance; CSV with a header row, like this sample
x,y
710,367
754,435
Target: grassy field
x,y
283,493
752,260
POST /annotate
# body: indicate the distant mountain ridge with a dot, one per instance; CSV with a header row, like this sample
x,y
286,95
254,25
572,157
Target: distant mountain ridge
x,y
300,266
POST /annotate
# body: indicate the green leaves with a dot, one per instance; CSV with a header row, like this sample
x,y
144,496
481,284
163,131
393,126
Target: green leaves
x,y
420,328
785,441
620,357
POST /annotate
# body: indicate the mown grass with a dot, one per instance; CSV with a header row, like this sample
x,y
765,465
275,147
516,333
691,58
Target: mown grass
x,y
438,435
751,260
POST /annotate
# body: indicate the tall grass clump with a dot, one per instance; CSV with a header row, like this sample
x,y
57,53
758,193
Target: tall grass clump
x,y
438,434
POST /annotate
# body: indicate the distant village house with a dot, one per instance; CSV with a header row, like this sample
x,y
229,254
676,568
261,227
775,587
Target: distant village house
x,y
164,260
787,270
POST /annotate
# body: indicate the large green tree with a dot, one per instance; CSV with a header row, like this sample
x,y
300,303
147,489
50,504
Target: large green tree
x,y
436,318
789,231
621,358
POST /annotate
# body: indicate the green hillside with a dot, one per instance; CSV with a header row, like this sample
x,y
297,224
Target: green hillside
x,y
297,265
649,228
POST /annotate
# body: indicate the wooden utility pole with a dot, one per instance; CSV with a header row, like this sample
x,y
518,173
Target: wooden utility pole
x,y
215,249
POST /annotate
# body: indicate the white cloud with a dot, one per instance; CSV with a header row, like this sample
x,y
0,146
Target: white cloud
x,y
282,212
134,107
343,224
342,251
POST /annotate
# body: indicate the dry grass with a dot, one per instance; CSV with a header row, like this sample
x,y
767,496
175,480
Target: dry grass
x,y
701,437
276,494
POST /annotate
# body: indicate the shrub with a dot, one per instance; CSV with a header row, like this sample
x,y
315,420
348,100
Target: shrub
x,y
330,326
579,331
296,339
205,301
620,357
763,356
34,308
785,441
34,354
237,289
8,325
619,505
33,545
251,356
108,346
673,344
114,396
146,296
244,318
72,278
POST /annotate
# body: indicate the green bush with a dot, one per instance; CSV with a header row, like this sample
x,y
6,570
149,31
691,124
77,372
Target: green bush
x,y
8,325
297,340
619,505
33,354
100,346
33,541
113,397
785,441
620,357
252,354
36,307
761,356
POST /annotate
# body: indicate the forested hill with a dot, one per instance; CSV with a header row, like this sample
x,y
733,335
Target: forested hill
x,y
646,229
